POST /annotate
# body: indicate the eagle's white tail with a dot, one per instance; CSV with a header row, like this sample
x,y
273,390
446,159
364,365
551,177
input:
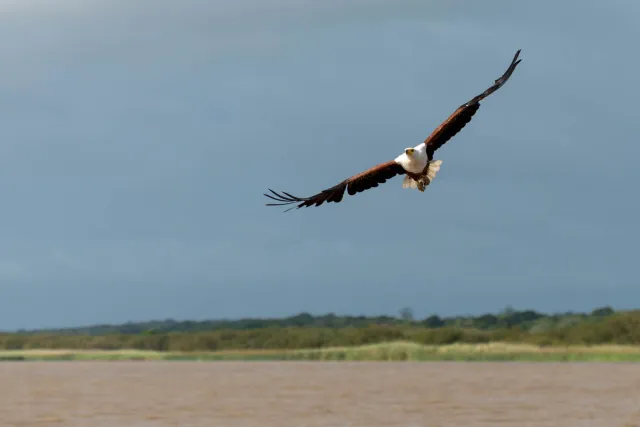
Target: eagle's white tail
x,y
433,169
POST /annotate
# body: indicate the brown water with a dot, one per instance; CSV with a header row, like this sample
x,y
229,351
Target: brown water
x,y
312,394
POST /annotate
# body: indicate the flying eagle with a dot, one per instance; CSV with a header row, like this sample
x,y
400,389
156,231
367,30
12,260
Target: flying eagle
x,y
417,163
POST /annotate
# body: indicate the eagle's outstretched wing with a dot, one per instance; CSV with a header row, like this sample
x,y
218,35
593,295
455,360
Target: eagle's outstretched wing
x,y
356,184
464,113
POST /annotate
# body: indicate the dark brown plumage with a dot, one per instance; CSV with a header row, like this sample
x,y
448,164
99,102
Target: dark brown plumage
x,y
381,173
370,178
463,115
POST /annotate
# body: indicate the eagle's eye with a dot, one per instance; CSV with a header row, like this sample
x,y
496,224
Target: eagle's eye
x,y
409,151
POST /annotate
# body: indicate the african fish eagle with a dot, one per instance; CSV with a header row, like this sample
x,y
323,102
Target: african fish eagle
x,y
417,163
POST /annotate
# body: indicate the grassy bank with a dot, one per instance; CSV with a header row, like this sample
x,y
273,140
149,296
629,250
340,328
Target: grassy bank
x,y
394,351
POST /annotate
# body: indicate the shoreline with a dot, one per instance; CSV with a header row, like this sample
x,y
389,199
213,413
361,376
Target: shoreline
x,y
391,351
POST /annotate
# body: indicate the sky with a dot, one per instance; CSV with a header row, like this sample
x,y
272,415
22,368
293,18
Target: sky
x,y
137,140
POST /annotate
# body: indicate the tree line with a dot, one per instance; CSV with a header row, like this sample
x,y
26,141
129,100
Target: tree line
x,y
602,326
506,318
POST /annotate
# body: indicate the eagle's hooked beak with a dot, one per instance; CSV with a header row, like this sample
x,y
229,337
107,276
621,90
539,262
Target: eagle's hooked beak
x,y
409,151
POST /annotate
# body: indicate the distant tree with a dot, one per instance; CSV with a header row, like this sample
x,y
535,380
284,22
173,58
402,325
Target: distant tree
x,y
302,319
508,311
406,314
602,312
433,321
485,321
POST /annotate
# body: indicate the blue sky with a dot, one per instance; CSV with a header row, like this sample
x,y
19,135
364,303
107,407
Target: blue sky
x,y
137,139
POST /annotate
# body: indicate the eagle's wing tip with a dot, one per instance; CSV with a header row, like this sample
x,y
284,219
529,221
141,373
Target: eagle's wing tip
x,y
516,57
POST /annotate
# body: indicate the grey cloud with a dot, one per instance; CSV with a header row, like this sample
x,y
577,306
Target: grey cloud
x,y
137,139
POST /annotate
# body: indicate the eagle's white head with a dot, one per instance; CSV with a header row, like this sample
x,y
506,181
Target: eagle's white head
x,y
414,159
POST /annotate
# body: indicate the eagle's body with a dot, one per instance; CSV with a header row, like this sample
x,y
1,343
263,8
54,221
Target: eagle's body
x,y
414,161
417,163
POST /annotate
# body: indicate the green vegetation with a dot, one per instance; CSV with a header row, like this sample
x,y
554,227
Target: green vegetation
x,y
391,351
603,335
527,319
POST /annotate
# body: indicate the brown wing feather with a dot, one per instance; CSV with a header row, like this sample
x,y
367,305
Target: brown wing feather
x,y
463,115
370,178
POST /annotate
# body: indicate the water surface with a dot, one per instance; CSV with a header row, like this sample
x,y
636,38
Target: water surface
x,y
318,394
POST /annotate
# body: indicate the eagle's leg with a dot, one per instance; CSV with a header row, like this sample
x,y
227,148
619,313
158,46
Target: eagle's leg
x,y
421,180
424,180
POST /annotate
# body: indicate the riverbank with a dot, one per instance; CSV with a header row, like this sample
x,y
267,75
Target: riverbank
x,y
393,351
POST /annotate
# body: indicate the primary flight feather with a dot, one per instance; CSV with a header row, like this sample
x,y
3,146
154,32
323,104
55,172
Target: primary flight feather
x,y
417,163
